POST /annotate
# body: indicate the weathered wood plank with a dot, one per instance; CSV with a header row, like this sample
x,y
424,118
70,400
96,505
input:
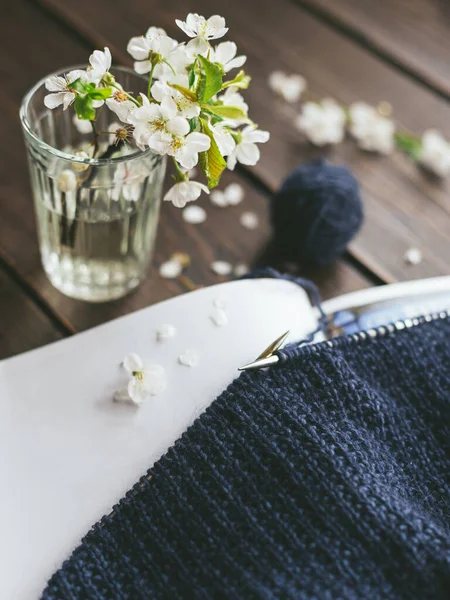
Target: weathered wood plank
x,y
23,325
404,207
221,236
414,34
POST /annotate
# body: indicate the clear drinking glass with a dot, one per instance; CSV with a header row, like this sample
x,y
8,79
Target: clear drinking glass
x,y
96,217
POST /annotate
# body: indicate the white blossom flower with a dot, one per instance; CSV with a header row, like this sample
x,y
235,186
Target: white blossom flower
x,y
435,153
99,65
165,332
202,30
60,88
153,119
189,358
223,138
121,105
185,150
185,191
194,214
289,87
221,267
246,151
413,256
225,55
186,108
322,123
153,48
372,131
67,181
249,220
232,195
83,126
145,380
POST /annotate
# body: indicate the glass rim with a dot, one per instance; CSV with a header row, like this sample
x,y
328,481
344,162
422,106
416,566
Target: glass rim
x,y
60,153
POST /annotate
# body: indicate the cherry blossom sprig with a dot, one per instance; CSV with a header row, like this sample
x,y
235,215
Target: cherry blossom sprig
x,y
192,112
325,122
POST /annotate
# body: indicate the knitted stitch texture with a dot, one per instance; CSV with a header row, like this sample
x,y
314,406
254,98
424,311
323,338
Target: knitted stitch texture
x,y
324,478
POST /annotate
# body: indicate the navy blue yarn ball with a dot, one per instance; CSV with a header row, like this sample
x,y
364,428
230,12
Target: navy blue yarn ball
x,y
316,213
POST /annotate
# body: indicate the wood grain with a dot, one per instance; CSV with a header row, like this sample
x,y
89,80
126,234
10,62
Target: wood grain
x,y
413,34
23,325
404,206
220,237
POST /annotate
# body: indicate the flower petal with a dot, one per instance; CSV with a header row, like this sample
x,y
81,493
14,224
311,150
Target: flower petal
x,y
138,47
165,332
160,142
255,136
153,32
248,154
225,52
168,108
75,74
186,27
166,45
122,395
178,126
53,100
189,358
160,90
170,269
142,66
215,27
69,97
194,214
154,380
136,391
186,157
55,84
235,63
198,142
197,46
231,161
132,362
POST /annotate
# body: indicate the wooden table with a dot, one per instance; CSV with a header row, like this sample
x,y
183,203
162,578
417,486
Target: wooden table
x,y
349,49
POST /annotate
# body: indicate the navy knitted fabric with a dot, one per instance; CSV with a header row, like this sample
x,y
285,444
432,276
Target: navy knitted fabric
x,y
327,477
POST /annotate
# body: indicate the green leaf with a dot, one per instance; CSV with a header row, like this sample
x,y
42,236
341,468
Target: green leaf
x,y
80,86
211,162
84,108
186,93
100,93
210,81
226,112
191,77
241,81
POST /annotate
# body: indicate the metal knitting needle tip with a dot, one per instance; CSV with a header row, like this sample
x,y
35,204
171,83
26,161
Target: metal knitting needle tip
x,y
273,347
267,358
260,363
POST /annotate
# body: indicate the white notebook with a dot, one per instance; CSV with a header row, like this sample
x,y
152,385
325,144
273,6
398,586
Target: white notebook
x,y
68,453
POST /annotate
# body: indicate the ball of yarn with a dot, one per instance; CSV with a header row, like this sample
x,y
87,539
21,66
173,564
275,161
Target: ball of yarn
x,y
316,213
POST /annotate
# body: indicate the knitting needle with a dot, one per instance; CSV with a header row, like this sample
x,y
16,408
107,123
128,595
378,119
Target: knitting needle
x,y
267,357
